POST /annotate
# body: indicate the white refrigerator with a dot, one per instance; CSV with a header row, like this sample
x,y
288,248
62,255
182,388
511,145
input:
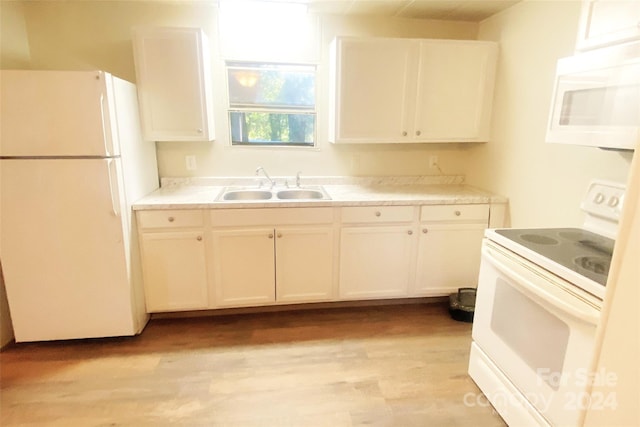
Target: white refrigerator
x,y
72,161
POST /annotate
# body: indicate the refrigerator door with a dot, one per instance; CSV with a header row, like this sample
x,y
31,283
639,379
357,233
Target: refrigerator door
x,y
63,249
54,113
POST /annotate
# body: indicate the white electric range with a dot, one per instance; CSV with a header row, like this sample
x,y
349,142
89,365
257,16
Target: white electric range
x,y
538,305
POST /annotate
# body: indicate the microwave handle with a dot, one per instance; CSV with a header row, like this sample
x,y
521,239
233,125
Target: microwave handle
x,y
585,316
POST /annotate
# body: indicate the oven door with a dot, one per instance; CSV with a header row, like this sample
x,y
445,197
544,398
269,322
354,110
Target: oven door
x,y
539,335
596,99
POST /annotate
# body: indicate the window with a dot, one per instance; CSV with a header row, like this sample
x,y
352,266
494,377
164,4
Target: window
x,y
272,104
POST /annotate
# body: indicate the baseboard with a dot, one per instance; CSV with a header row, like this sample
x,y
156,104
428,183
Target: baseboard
x,y
299,307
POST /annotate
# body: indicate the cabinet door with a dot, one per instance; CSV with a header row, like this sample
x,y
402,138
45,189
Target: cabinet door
x,y
370,89
375,262
304,264
175,272
606,22
455,90
448,258
174,87
243,264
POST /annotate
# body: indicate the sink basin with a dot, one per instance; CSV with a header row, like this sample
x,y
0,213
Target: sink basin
x,y
301,193
244,194
247,195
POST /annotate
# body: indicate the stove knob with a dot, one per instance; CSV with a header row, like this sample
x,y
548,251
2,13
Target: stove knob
x,y
598,199
613,201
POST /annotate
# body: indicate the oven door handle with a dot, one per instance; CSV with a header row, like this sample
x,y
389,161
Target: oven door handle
x,y
591,316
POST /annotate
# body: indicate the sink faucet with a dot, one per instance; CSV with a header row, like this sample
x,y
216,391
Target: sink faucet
x,y
261,169
298,178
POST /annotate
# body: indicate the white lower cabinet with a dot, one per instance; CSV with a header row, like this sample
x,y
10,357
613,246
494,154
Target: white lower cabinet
x,y
449,248
304,264
376,251
222,258
261,265
243,267
375,262
174,260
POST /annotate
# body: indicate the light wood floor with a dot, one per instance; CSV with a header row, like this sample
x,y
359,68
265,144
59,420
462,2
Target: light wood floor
x,y
382,366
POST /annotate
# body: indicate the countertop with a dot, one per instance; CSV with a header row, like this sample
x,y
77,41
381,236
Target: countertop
x,y
202,193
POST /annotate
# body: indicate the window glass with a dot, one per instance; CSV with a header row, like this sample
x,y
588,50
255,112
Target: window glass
x,y
271,104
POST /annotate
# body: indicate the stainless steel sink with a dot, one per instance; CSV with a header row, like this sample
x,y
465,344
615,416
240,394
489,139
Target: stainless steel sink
x,y
243,194
301,193
247,195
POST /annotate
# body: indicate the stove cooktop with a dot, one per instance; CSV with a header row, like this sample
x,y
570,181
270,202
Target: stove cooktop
x,y
576,249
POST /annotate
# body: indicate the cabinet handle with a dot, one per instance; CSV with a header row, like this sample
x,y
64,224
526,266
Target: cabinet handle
x,y
418,132
378,213
410,232
279,235
199,238
271,235
457,213
171,219
425,231
404,133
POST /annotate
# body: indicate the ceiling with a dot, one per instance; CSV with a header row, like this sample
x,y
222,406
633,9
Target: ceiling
x,y
455,10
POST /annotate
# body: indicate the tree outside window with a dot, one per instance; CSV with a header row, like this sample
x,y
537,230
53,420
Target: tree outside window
x,y
271,104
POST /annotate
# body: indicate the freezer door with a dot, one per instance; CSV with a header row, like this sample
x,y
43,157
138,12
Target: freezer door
x,y
54,113
63,249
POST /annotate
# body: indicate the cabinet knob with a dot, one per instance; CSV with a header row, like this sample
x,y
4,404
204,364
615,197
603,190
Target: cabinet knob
x,y
271,235
418,133
457,213
425,231
279,235
410,232
199,130
404,133
171,219
199,238
378,213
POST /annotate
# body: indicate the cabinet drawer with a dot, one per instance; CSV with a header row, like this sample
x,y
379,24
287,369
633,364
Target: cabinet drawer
x,y
462,213
270,217
372,214
170,218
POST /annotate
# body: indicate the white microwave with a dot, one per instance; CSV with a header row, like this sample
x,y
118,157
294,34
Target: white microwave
x,y
596,99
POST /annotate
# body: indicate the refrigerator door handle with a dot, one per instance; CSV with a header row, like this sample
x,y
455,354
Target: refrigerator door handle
x,y
106,136
113,174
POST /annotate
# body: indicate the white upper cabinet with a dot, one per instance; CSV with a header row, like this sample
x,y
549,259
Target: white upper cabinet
x,y
411,90
454,90
607,22
173,71
369,89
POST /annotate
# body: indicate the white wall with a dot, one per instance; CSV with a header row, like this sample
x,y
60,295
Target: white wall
x,y
96,35
619,331
220,159
14,43
544,182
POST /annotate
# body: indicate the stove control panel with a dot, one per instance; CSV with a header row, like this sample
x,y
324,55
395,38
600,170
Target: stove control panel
x,y
604,199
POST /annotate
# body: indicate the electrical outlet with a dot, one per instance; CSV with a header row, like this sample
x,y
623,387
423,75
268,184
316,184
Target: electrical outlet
x,y
191,162
433,161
